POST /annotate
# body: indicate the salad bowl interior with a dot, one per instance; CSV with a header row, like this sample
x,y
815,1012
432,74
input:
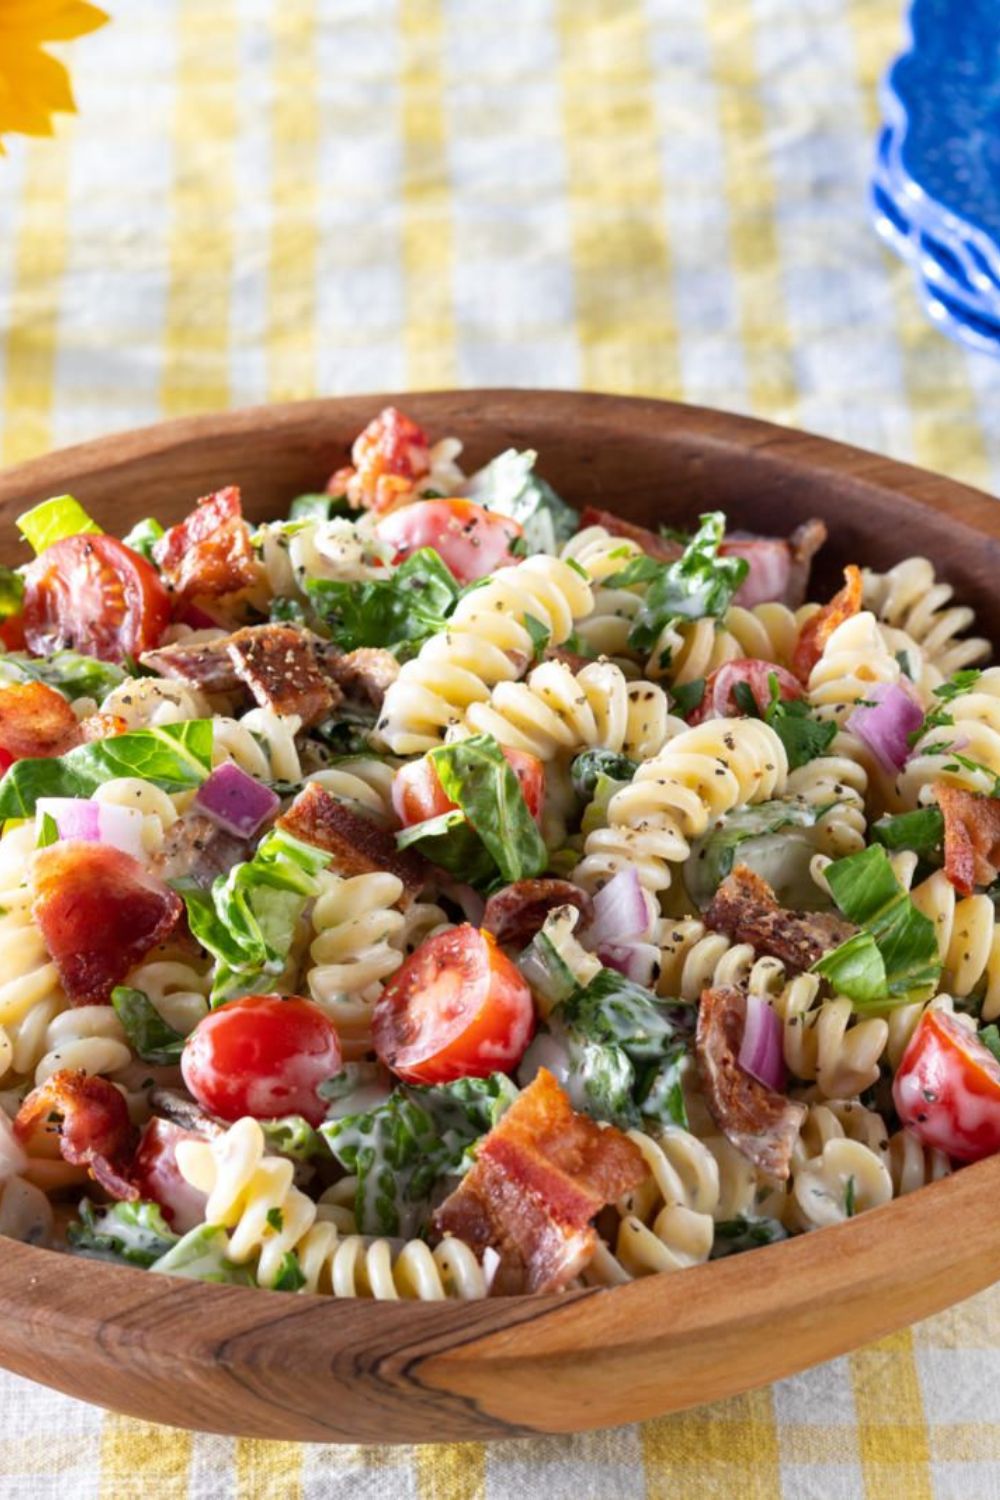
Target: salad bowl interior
x,y
232,1360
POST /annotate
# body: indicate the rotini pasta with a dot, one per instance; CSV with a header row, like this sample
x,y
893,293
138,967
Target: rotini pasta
x,y
262,743
359,938
910,597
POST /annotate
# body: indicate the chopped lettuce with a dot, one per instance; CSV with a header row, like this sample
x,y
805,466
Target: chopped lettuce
x,y
175,757
510,486
624,1052
590,765
144,536
402,1149
746,1232
294,1137
491,817
759,834
11,592
894,958
135,1233
803,735
202,1255
319,508
149,1035
248,919
921,831
399,612
697,584
53,520
72,674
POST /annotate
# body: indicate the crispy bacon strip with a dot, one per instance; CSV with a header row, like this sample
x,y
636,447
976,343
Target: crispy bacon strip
x,y
541,1175
209,553
388,457
195,848
819,627
746,910
516,913
761,1123
35,721
971,837
100,912
206,664
358,845
365,674
779,567
278,665
91,1119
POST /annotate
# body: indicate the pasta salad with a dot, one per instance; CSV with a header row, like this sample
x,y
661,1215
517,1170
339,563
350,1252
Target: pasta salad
x,y
442,893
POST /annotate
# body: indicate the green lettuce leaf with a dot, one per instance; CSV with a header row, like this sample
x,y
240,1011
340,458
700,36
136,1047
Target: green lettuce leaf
x,y
53,520
70,673
921,831
294,1137
478,778
803,735
148,1033
399,612
144,536
202,1255
134,1233
401,1150
759,835
590,765
697,584
176,757
733,1236
894,959
509,486
248,919
11,592
319,508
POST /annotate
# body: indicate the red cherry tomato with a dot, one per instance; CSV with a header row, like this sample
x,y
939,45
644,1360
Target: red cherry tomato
x,y
417,793
458,1008
472,541
93,594
12,633
718,701
155,1173
262,1055
947,1089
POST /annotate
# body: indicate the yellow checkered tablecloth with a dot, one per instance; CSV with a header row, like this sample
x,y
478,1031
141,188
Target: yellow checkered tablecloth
x,y
266,199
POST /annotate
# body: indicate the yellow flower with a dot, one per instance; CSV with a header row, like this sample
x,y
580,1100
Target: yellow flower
x,y
33,85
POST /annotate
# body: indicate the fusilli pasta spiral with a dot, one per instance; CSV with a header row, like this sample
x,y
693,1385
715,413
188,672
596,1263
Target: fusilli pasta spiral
x,y
911,598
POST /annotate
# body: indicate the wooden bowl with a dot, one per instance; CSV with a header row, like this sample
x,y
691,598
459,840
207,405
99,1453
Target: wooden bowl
x,y
230,1360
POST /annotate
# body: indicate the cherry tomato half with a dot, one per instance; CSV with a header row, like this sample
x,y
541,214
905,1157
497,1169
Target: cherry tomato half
x,y
947,1089
472,541
155,1172
417,793
718,701
264,1056
458,1008
93,594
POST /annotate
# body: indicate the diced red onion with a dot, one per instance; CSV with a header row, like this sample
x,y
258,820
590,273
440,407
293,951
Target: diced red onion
x,y
886,726
637,961
621,911
94,822
761,1052
235,801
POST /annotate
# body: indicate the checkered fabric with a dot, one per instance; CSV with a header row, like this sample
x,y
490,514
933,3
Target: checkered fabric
x,y
267,199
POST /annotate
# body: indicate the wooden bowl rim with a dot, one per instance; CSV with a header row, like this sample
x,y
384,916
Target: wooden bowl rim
x,y
850,1259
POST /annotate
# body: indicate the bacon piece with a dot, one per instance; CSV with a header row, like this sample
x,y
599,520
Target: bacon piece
x,y
819,627
366,673
156,1177
761,1123
206,664
209,553
388,457
779,566
36,721
516,913
91,1119
540,1177
358,845
746,909
100,912
278,665
971,837
195,848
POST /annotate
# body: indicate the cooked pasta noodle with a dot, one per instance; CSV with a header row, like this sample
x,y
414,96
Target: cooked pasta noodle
x,y
262,743
702,774
156,806
358,942
854,658
847,1178
910,597
151,702
363,780
974,731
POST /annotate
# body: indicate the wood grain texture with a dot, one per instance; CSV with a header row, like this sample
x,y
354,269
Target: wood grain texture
x,y
230,1360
